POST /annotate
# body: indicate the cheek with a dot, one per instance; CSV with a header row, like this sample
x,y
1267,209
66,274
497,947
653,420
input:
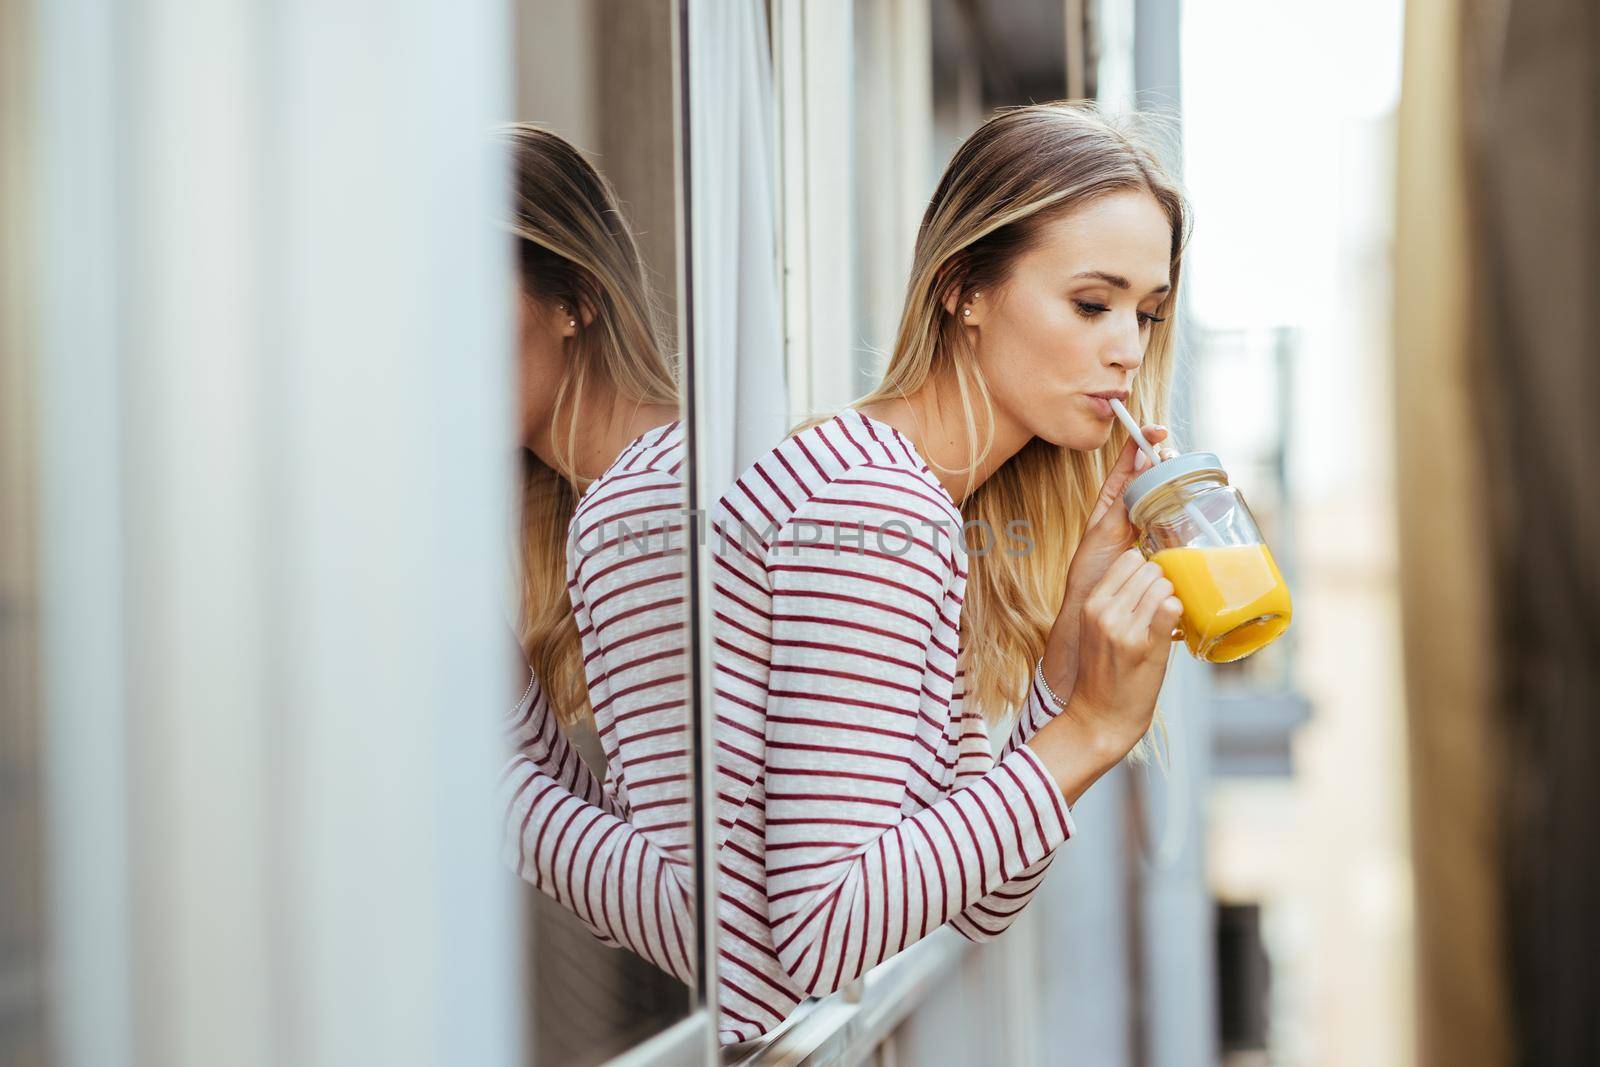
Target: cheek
x,y
539,366
1045,335
538,374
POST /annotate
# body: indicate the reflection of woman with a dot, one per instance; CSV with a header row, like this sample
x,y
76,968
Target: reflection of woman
x,y
862,647
602,608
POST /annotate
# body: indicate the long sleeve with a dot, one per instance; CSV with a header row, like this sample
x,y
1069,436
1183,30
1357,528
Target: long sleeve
x,y
991,916
625,578
617,858
986,919
1036,710
626,890
533,733
851,878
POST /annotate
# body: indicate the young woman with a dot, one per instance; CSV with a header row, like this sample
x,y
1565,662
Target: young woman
x,y
863,647
602,613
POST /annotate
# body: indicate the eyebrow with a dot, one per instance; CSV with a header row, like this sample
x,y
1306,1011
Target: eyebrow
x,y
1118,280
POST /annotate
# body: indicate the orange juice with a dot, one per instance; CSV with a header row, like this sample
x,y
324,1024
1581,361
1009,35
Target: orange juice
x,y
1234,599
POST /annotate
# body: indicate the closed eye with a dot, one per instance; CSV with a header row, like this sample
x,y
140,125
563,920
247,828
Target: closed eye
x,y
1089,310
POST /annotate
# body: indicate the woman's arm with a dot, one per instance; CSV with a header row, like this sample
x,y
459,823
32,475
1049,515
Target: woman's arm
x,y
627,891
851,880
990,917
622,869
625,578
1107,534
534,734
1036,710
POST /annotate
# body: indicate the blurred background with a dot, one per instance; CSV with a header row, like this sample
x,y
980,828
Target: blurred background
x,y
254,351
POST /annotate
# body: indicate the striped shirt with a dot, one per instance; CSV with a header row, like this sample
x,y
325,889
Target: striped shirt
x,y
860,806
617,854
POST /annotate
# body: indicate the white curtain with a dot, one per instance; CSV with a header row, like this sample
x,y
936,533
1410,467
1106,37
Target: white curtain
x,y
737,308
273,406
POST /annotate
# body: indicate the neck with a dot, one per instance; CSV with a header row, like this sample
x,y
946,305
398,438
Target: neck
x,y
605,426
933,420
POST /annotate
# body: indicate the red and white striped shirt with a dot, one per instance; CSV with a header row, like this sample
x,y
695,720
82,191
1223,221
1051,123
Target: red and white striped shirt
x,y
859,805
617,854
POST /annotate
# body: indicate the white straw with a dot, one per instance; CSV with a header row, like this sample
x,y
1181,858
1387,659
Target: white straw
x,y
1150,452
1134,431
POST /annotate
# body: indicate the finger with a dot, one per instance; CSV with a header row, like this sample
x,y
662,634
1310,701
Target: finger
x,y
1157,616
1144,612
1130,461
1117,574
1115,482
1154,434
1108,524
1137,584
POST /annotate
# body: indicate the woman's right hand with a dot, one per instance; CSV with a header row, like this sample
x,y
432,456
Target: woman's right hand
x,y
1124,645
1106,536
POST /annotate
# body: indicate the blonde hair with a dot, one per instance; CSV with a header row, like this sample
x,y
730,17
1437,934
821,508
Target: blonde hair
x,y
1021,169
574,246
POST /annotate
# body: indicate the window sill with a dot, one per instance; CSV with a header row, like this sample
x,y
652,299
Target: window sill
x,y
844,1028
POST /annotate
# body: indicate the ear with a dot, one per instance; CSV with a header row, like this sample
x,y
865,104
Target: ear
x,y
537,314
585,311
969,310
565,319
952,296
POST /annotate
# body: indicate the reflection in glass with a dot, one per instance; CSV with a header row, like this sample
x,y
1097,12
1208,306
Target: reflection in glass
x,y
598,795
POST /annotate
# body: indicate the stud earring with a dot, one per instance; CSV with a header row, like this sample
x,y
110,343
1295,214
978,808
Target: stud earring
x,y
967,313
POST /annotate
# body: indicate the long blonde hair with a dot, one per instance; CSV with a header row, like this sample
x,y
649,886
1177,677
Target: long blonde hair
x,y
574,246
1021,169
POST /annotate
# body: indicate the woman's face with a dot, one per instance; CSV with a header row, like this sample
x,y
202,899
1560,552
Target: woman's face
x,y
1074,317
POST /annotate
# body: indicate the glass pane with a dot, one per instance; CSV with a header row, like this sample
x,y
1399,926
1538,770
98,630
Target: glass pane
x,y
600,825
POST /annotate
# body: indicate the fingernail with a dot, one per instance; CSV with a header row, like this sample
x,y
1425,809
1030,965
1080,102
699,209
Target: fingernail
x,y
1140,461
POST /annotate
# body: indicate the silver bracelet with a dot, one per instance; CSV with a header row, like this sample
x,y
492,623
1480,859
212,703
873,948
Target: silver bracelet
x,y
533,680
1038,673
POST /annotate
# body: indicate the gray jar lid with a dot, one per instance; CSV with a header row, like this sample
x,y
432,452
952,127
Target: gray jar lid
x,y
1169,470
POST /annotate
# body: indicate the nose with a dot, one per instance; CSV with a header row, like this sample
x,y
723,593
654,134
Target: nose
x,y
1125,347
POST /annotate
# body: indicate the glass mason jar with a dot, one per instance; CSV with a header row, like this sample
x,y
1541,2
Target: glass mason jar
x,y
1197,527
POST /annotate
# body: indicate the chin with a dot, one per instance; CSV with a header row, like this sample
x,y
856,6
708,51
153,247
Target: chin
x,y
1078,433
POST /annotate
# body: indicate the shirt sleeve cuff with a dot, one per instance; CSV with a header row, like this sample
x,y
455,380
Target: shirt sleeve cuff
x,y
1041,709
1043,795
